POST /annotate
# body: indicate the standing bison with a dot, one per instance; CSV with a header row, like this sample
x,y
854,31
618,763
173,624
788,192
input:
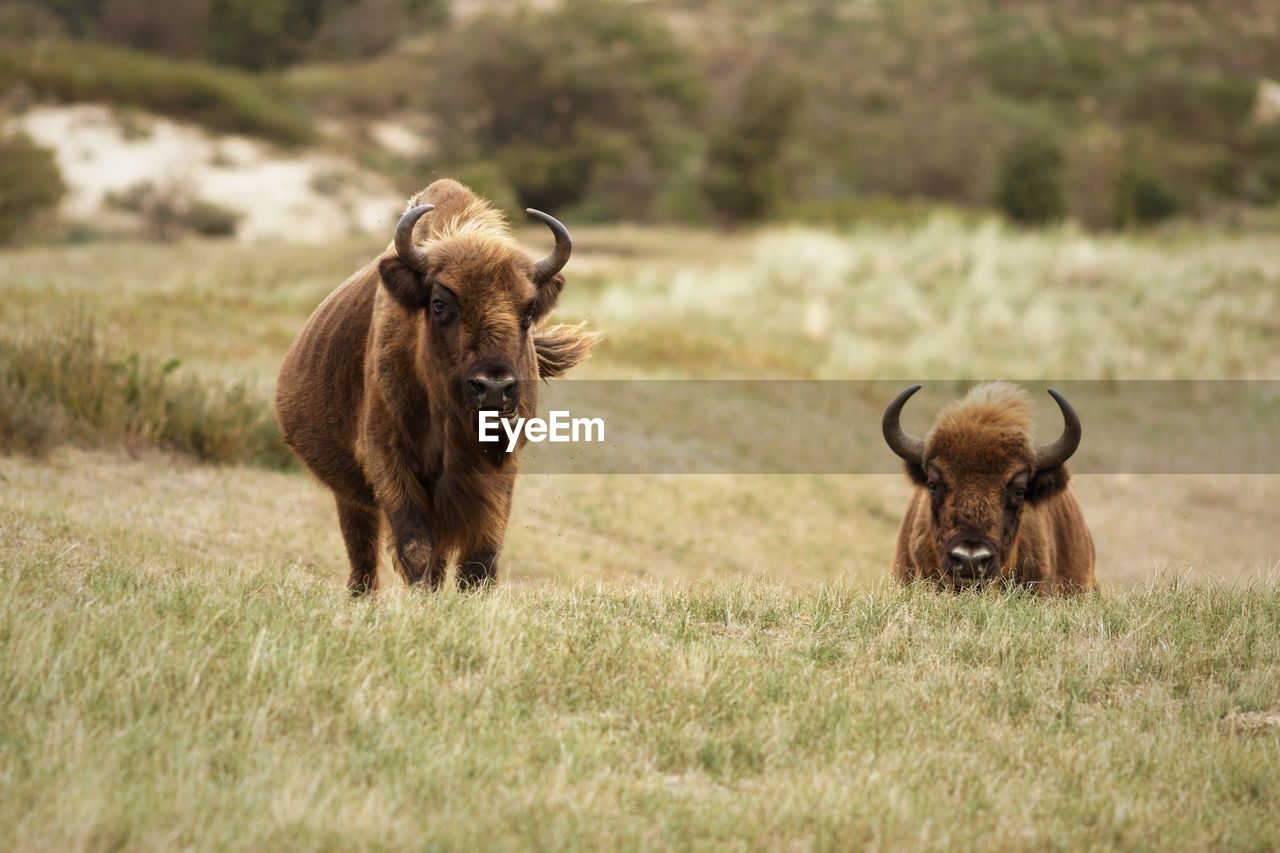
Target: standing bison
x,y
988,506
381,392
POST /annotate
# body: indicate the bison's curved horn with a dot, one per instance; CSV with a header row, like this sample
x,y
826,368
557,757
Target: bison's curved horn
x,y
1056,453
406,249
907,446
554,262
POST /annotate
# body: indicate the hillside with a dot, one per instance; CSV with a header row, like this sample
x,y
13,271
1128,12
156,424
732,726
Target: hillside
x,y
737,111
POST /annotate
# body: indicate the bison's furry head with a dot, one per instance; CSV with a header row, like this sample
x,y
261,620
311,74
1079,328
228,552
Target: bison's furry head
x,y
475,301
980,468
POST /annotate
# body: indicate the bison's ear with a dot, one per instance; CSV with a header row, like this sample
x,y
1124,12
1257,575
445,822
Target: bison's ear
x,y
405,284
916,473
1046,484
548,296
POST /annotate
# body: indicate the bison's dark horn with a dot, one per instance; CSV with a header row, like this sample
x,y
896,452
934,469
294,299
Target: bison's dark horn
x,y
1058,452
406,249
554,262
907,446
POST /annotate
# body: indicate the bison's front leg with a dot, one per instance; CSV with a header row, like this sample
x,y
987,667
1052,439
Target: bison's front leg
x,y
478,568
360,533
419,561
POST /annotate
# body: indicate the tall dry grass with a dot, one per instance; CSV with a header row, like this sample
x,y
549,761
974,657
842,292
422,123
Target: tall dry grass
x,y
65,386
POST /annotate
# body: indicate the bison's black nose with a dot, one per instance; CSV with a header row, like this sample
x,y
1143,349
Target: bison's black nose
x,y
492,389
970,559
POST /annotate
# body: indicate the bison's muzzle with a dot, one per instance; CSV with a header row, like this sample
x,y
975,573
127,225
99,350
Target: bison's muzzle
x,y
971,558
492,387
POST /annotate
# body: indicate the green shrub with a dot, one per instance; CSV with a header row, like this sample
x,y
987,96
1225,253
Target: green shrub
x,y
742,179
217,98
586,93
210,220
66,387
29,183
1029,188
170,209
1142,199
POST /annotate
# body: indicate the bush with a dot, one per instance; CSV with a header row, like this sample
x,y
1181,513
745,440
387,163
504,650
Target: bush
x,y
217,98
1029,188
210,220
587,93
742,180
171,208
1142,199
29,183
65,387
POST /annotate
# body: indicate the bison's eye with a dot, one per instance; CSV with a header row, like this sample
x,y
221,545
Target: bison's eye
x,y
437,307
527,320
1020,493
933,487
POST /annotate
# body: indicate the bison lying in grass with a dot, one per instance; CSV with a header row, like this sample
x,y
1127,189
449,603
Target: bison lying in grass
x,y
989,506
381,392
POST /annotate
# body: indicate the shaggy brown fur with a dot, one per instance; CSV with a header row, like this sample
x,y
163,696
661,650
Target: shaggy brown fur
x,y
978,484
372,395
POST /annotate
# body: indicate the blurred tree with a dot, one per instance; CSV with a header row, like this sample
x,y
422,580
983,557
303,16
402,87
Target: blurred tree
x,y
562,99
1029,185
29,183
742,179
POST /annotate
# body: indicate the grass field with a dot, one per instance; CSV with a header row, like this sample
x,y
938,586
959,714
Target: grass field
x,y
671,660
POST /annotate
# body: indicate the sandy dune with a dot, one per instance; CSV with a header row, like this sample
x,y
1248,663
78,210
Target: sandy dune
x,y
300,196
